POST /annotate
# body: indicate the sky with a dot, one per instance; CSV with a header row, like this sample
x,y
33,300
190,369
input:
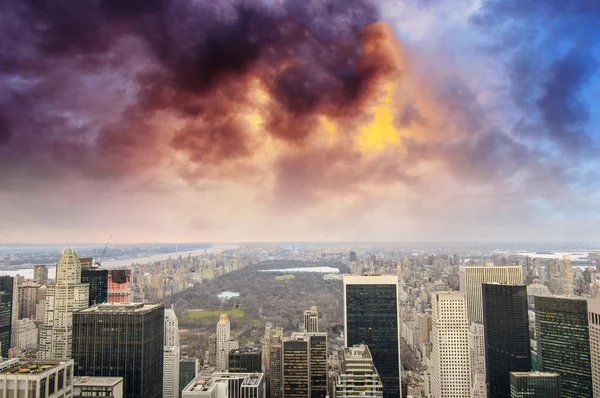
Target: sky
x,y
285,120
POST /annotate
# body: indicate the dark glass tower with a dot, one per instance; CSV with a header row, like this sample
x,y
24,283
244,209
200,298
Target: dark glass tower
x,y
6,307
506,331
245,360
561,326
304,365
371,318
188,369
97,278
534,385
124,340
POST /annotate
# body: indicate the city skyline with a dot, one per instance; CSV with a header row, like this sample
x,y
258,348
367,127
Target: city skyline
x,y
299,121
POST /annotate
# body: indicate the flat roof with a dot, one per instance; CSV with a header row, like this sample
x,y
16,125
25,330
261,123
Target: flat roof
x,y
205,384
120,307
30,366
535,374
97,381
370,279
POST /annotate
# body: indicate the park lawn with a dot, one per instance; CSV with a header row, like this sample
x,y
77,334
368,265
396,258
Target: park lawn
x,y
285,277
197,314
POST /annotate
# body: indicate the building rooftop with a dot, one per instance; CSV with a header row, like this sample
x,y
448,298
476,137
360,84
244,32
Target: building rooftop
x,y
358,351
205,384
120,307
246,350
97,381
28,366
535,374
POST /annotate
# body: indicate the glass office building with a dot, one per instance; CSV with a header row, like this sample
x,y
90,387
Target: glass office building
x,y
123,340
562,333
506,331
371,318
97,278
534,385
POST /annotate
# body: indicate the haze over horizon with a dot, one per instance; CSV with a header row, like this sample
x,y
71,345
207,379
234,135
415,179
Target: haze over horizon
x,y
334,120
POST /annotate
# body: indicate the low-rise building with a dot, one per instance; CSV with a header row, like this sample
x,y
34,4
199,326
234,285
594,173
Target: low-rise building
x,y
226,385
36,378
108,387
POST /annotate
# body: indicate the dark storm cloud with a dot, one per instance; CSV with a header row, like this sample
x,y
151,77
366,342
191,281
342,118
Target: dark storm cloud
x,y
82,80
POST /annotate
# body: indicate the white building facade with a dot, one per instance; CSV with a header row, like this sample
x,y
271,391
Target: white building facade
x,y
450,359
67,295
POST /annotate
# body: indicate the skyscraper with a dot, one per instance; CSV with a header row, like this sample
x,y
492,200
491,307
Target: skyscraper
x,y
224,342
29,297
371,318
270,331
450,359
97,278
6,312
245,360
119,290
534,385
563,342
171,328
357,376
304,365
311,320
471,278
567,274
506,328
171,355
122,339
594,327
275,367
477,352
188,369
68,294
40,274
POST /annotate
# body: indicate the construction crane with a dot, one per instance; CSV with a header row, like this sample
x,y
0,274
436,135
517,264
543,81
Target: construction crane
x,y
98,263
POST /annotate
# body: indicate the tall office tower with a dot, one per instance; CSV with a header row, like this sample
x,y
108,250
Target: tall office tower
x,y
304,365
471,278
311,320
551,268
534,385
158,283
563,346
119,290
357,375
188,369
275,367
567,274
7,284
171,328
29,297
477,350
399,270
97,278
506,328
171,357
537,270
224,342
40,274
124,340
450,361
245,360
594,327
270,331
212,350
371,318
353,256
67,294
